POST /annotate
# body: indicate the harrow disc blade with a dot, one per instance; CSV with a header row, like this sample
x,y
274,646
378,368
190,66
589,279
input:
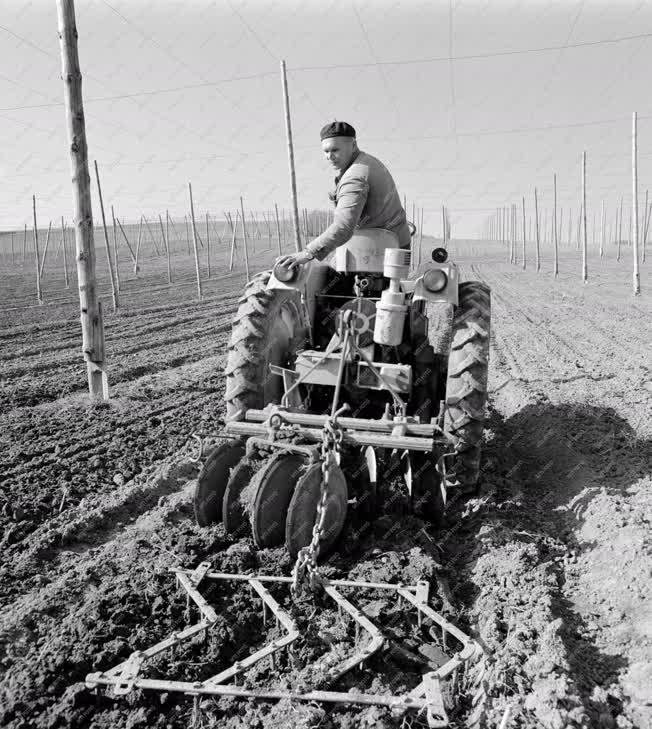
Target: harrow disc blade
x,y
212,480
303,509
233,508
273,487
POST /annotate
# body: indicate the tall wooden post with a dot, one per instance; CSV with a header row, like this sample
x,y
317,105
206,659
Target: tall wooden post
x,y
636,275
164,233
536,230
524,236
36,254
244,236
194,242
65,257
234,230
91,308
115,250
620,229
208,248
602,229
114,291
420,237
556,240
45,250
293,177
138,244
585,275
278,230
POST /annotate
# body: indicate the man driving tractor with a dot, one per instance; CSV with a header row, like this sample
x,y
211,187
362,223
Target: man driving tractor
x,y
365,196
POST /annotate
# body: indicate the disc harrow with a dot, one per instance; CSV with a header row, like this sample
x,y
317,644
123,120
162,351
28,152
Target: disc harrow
x,y
426,698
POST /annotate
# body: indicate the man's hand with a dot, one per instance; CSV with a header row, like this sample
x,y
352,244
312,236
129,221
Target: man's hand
x,y
294,260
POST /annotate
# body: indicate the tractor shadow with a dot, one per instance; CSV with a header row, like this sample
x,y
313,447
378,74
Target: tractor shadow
x,y
542,468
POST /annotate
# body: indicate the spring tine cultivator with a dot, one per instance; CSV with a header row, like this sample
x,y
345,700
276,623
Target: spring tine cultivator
x,y
426,697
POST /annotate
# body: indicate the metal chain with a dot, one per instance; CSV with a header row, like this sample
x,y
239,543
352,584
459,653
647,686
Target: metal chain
x,y
306,564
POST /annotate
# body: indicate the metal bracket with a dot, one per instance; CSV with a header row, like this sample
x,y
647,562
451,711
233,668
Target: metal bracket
x,y
130,669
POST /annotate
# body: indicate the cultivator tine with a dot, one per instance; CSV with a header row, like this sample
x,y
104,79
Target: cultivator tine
x,y
361,621
269,650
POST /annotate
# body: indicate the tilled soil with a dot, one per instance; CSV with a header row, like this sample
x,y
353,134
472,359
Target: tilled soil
x,y
548,567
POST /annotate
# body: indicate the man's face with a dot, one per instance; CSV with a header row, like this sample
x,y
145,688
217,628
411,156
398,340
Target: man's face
x,y
339,151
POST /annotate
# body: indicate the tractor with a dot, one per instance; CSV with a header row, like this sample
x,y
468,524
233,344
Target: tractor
x,y
342,379
332,369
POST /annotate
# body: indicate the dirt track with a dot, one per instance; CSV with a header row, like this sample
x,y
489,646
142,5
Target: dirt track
x,y
549,567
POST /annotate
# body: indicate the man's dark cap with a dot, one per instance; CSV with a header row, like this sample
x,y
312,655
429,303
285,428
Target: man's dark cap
x,y
337,129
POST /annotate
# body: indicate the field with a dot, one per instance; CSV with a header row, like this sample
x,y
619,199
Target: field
x,y
549,567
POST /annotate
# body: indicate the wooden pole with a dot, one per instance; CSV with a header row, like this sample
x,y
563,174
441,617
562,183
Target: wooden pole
x,y
278,230
36,254
647,224
620,229
194,242
602,229
420,237
234,229
208,248
91,307
185,217
124,235
151,235
45,250
114,292
244,241
293,178
636,275
65,258
556,249
164,234
585,275
115,250
138,244
24,244
524,235
536,230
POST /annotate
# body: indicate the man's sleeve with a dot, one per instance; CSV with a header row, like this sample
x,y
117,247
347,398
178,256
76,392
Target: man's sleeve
x,y
351,200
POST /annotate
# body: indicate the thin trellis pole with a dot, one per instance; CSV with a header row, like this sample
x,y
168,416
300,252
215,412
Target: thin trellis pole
x,y
164,234
602,228
208,248
151,235
36,254
194,242
244,240
65,258
636,277
620,229
293,177
45,250
138,244
234,243
114,292
115,250
585,275
556,241
536,230
278,230
524,235
124,235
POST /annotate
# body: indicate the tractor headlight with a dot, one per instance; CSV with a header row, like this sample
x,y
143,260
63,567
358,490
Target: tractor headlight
x,y
435,280
285,274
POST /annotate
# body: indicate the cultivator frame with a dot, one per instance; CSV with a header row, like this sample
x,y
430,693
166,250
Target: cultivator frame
x,y
425,698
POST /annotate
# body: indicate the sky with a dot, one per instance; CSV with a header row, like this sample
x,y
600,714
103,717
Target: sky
x,y
469,103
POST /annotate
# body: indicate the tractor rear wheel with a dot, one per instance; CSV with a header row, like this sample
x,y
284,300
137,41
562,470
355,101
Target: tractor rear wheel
x,y
466,384
269,328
